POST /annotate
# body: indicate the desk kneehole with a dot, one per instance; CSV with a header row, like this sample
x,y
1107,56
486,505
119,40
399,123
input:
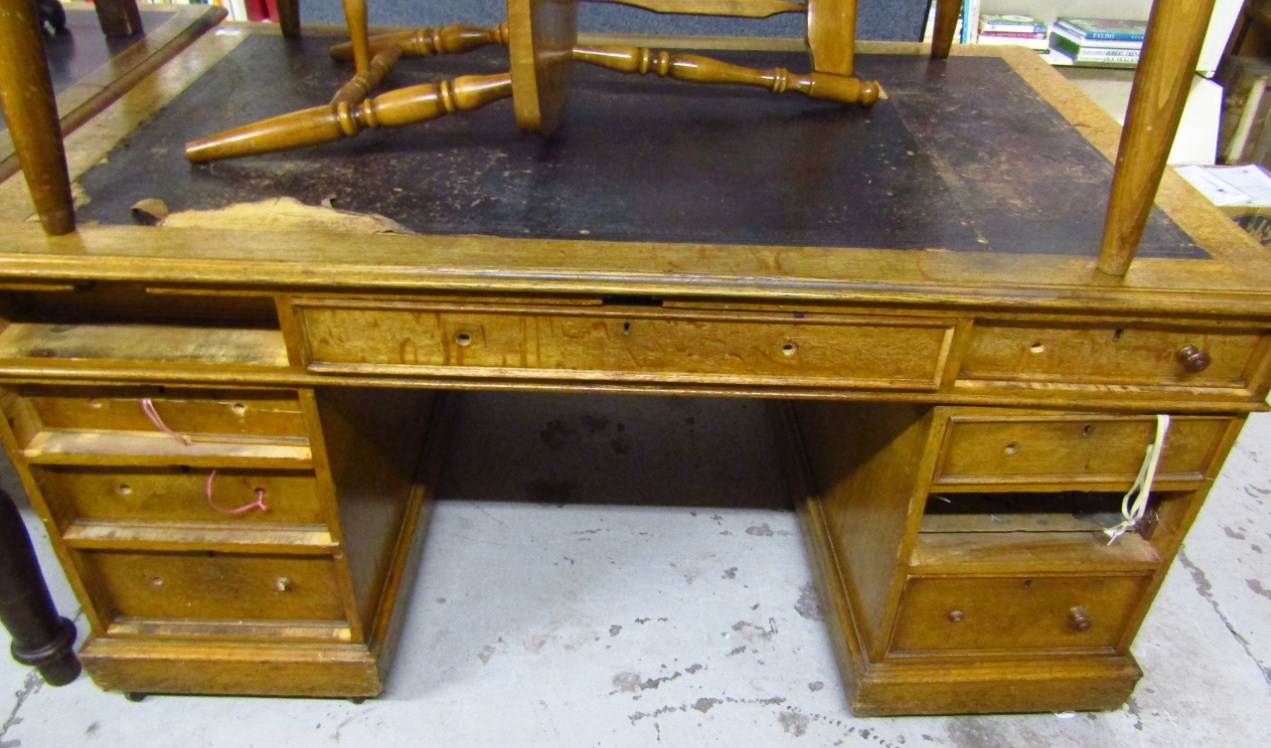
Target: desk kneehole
x,y
631,344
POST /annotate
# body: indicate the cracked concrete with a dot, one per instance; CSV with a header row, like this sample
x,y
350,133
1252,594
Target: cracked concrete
x,y
507,643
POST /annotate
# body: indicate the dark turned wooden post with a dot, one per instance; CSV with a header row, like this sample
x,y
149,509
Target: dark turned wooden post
x,y
118,17
946,22
289,18
41,638
26,95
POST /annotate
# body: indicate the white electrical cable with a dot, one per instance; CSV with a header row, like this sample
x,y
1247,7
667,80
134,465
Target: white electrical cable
x,y
1142,488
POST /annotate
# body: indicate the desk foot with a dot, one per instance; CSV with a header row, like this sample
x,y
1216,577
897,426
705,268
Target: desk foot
x,y
41,638
135,697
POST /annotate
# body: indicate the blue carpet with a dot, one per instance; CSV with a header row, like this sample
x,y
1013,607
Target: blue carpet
x,y
899,20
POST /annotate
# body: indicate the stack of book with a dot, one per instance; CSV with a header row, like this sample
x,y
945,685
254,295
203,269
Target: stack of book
x,y
1093,41
1014,30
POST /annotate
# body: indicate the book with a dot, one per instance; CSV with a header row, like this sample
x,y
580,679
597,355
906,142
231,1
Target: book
x,y
1091,52
1038,42
970,21
1079,41
1011,22
1104,29
1119,57
1014,34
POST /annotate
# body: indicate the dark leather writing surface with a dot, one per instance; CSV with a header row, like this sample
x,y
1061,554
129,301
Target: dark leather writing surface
x,y
963,156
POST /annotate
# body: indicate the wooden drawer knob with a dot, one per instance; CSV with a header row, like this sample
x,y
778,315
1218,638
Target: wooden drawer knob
x,y
1078,620
1193,359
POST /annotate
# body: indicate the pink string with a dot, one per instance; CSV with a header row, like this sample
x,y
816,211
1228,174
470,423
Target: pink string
x,y
147,407
259,503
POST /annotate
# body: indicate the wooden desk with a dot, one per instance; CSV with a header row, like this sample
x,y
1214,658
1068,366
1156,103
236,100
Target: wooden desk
x,y
917,282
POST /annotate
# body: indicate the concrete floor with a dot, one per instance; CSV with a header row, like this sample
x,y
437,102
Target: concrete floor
x,y
626,571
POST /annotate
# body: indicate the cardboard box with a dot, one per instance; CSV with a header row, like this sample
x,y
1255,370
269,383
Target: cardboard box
x,y
1243,192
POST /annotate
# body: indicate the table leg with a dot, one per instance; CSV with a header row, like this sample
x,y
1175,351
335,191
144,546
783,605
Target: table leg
x,y
26,95
41,637
118,17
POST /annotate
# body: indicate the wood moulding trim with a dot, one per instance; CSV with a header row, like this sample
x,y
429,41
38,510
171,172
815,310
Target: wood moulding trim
x,y
296,261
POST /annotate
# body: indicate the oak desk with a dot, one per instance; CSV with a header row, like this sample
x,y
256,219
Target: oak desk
x,y
916,283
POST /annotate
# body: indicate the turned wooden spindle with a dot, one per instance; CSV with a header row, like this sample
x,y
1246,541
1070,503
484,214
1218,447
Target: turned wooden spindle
x,y
118,18
699,69
30,109
946,23
329,123
355,18
361,85
1175,32
427,42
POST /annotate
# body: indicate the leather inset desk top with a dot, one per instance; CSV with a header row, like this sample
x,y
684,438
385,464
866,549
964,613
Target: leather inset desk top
x,y
659,161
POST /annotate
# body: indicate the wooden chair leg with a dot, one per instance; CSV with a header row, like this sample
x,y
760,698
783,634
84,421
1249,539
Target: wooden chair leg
x,y
427,42
329,123
289,17
360,86
41,638
699,69
1175,32
26,95
832,35
355,18
118,17
946,23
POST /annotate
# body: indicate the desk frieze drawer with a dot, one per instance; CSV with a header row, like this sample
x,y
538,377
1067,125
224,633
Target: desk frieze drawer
x,y
987,448
1012,614
225,413
624,344
1115,354
209,590
181,494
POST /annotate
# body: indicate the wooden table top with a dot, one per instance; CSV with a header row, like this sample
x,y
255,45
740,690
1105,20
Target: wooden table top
x,y
988,173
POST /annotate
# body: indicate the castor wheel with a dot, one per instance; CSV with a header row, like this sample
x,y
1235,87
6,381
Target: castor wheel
x,y
135,696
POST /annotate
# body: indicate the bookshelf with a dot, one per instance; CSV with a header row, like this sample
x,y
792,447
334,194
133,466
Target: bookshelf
x,y
1220,24
1197,139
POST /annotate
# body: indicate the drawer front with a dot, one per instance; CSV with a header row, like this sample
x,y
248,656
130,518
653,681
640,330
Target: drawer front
x,y
625,344
1108,354
215,412
1076,449
179,495
213,587
1010,614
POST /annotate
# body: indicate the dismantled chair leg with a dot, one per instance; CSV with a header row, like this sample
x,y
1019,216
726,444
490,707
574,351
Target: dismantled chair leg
x,y
699,69
342,119
428,42
349,111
